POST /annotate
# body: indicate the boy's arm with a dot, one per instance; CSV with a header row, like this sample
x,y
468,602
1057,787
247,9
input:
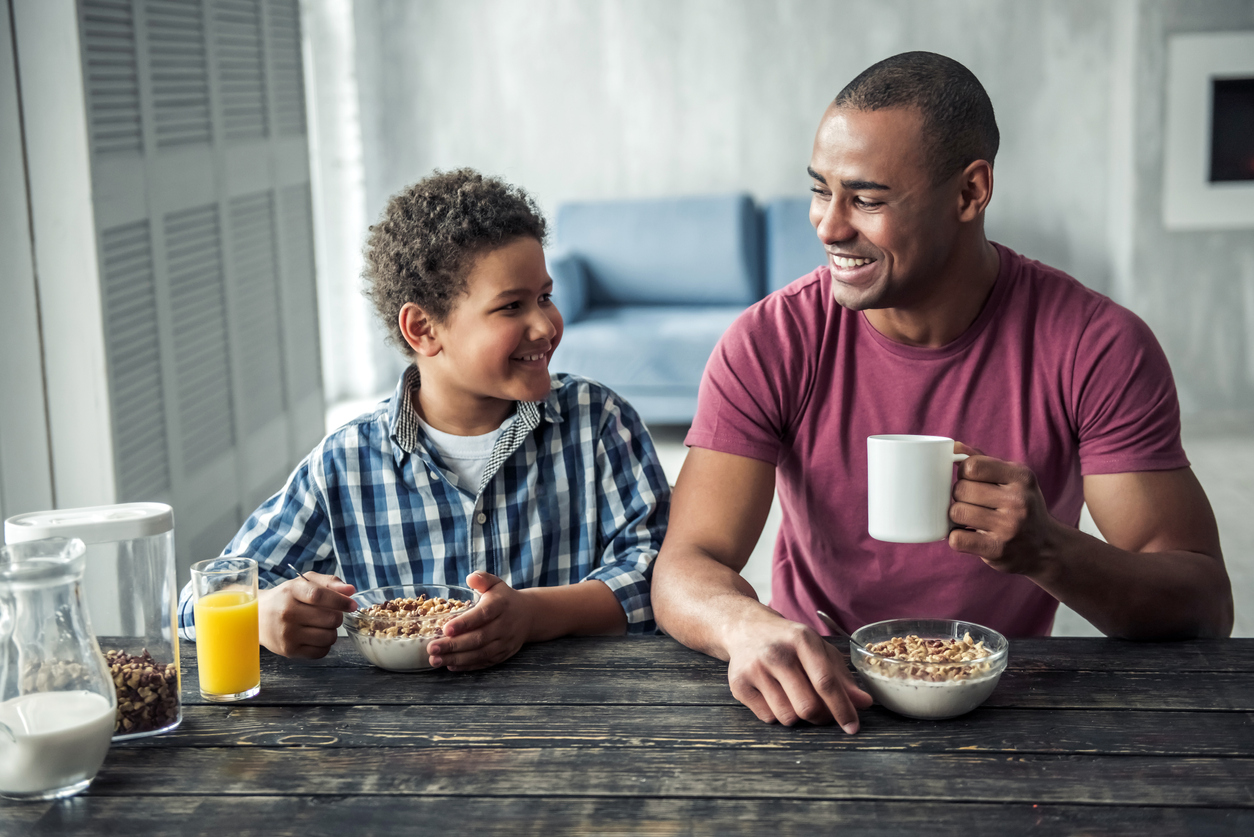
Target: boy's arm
x,y
589,608
634,500
288,532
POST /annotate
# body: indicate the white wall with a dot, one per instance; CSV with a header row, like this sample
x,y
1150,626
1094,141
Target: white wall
x,y
25,469
1195,289
575,99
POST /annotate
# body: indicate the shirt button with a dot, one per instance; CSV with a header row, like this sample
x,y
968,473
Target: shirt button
x,y
482,518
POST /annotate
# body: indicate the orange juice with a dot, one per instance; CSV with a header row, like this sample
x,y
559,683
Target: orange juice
x,y
228,653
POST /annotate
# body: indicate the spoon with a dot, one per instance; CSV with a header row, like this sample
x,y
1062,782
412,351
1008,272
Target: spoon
x,y
831,623
299,573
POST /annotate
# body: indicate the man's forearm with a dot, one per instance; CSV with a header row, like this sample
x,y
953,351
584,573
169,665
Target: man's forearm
x,y
1139,595
698,600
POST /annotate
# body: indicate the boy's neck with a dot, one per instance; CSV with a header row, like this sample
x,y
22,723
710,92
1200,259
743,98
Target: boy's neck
x,y
455,411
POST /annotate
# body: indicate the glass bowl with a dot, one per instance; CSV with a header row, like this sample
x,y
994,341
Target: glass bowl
x,y
929,690
399,642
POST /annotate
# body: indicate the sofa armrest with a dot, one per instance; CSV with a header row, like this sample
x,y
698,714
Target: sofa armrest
x,y
570,284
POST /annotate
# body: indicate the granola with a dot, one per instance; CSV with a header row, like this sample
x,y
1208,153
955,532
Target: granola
x,y
934,660
409,617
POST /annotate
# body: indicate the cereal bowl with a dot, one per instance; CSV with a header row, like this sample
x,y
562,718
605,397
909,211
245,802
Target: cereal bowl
x,y
929,668
393,625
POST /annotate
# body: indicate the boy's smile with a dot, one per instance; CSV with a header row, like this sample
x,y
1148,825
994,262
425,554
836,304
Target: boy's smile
x,y
494,346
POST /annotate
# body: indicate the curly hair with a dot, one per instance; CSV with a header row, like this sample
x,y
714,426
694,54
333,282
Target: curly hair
x,y
430,234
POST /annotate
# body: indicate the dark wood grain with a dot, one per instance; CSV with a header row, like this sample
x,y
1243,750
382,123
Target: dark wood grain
x,y
259,816
514,685
642,736
654,653
757,773
725,727
20,817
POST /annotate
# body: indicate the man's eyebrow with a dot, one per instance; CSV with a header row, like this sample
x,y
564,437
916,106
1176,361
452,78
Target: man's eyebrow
x,y
851,185
864,185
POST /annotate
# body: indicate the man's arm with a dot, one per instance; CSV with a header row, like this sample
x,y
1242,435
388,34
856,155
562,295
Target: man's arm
x,y
1160,575
781,670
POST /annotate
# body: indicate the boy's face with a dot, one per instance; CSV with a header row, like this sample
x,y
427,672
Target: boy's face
x,y
497,341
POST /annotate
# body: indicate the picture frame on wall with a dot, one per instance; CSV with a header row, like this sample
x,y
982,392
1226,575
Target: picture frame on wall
x,y
1209,154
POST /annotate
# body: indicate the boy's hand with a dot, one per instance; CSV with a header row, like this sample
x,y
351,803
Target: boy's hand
x,y
490,633
298,618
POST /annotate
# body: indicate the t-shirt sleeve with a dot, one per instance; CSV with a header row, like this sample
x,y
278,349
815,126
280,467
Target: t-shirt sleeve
x,y
1126,410
752,384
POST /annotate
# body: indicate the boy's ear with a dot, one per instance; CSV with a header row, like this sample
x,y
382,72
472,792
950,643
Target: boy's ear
x,y
419,330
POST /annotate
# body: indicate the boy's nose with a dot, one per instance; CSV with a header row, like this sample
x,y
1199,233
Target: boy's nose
x,y
542,325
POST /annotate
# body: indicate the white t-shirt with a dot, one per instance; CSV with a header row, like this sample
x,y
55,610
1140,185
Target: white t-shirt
x,y
467,456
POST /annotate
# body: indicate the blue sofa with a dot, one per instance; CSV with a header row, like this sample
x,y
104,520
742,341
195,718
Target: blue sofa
x,y
647,287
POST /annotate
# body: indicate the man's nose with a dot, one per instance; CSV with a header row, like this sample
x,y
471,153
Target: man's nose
x,y
834,226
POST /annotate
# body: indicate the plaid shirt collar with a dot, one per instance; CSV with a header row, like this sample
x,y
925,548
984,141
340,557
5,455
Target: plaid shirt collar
x,y
408,433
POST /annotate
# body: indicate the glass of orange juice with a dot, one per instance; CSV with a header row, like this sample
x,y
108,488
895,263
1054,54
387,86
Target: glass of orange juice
x,y
228,650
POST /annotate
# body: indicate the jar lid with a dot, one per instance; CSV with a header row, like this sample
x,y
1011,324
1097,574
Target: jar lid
x,y
92,524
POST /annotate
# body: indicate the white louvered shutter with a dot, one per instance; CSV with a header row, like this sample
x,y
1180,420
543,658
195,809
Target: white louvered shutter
x,y
201,199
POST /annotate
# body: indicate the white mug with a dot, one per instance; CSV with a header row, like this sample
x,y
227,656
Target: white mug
x,y
909,486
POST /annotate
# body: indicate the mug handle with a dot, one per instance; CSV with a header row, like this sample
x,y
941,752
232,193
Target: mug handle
x,y
958,457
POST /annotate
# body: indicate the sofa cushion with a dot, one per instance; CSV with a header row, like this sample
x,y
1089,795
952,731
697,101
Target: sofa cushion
x,y
792,248
673,251
570,283
644,348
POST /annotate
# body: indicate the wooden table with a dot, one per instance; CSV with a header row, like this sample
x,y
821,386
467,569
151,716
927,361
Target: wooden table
x,y
641,736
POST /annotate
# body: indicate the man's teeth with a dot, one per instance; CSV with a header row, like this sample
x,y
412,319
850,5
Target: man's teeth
x,y
530,357
841,261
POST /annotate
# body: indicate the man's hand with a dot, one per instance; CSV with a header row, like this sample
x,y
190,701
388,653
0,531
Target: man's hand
x,y
784,671
298,618
1001,501
490,633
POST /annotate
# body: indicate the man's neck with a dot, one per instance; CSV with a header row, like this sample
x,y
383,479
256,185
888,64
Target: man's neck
x,y
455,411
952,304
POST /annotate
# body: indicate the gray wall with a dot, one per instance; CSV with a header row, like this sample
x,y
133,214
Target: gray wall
x,y
575,99
1195,289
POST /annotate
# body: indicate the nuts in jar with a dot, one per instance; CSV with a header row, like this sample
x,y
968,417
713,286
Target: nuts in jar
x,y
148,696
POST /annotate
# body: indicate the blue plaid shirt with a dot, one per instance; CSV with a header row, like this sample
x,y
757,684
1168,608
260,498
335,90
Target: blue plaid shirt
x,y
573,491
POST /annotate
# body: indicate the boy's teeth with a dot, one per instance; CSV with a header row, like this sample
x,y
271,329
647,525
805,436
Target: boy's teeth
x,y
843,262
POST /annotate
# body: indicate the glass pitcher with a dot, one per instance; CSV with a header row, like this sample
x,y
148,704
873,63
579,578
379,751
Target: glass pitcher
x,y
57,699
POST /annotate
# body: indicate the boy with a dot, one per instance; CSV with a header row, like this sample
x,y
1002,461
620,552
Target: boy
x,y
542,492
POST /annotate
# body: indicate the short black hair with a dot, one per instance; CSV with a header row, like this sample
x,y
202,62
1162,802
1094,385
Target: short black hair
x,y
423,248
958,122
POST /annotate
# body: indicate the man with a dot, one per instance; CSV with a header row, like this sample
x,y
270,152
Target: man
x,y
918,324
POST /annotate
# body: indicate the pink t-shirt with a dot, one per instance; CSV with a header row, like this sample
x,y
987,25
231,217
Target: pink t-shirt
x,y
1050,374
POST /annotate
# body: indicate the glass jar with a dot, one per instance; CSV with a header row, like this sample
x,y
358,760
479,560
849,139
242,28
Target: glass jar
x,y
131,594
57,701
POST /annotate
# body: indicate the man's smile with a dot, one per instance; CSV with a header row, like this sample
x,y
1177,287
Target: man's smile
x,y
849,269
849,261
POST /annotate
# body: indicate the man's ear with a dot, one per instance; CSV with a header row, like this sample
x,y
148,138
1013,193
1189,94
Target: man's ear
x,y
976,190
419,330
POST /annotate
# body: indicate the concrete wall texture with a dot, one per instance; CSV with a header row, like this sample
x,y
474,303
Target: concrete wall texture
x,y
576,100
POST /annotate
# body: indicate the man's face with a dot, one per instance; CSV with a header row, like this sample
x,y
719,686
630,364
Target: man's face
x,y
887,230
498,339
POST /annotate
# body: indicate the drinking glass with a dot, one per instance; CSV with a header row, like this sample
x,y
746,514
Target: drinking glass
x,y
228,650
